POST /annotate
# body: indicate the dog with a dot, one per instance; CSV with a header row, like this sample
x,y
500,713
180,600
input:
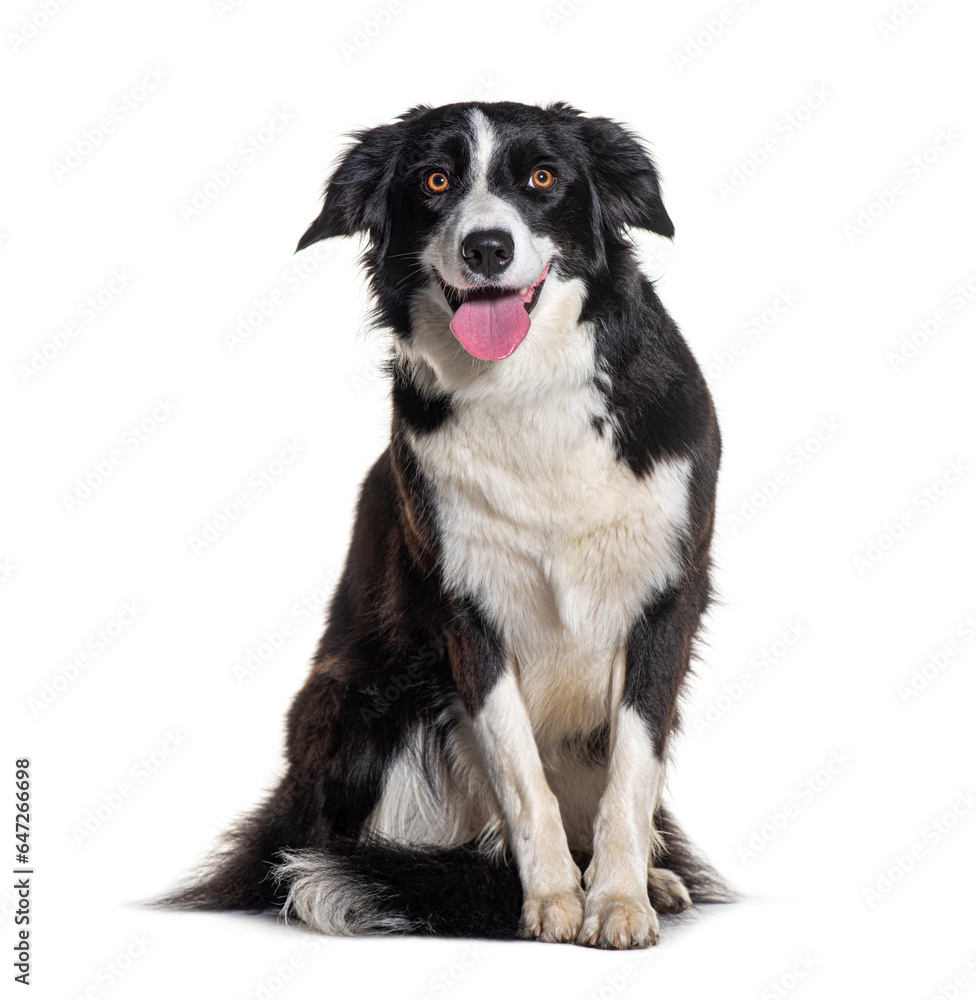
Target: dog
x,y
491,707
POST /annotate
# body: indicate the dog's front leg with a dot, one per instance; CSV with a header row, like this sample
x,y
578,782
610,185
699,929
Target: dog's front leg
x,y
552,906
647,678
552,890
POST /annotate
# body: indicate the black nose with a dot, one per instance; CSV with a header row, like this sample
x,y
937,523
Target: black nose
x,y
488,251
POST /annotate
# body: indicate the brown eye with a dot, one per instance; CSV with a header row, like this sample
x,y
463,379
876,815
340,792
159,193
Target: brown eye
x,y
542,179
437,182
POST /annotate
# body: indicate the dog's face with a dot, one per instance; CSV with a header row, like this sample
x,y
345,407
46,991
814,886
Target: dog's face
x,y
474,206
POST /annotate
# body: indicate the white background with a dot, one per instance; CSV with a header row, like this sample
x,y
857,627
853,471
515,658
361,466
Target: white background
x,y
807,230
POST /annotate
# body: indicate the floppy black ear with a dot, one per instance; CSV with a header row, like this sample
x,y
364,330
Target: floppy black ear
x,y
627,184
356,195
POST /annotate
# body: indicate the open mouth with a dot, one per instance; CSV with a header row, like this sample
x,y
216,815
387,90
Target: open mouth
x,y
490,323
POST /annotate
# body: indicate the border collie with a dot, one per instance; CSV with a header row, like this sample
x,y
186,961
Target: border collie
x,y
490,709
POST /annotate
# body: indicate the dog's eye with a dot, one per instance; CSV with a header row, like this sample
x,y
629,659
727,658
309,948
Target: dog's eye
x,y
437,182
542,179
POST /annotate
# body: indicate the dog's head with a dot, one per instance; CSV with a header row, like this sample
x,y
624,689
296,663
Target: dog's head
x,y
477,204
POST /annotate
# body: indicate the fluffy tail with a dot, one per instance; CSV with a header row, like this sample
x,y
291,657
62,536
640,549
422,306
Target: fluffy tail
x,y
379,887
376,887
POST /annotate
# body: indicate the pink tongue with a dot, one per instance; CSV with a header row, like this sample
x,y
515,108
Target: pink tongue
x,y
491,327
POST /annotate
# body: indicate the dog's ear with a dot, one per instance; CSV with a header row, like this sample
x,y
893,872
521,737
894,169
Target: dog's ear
x,y
626,181
356,195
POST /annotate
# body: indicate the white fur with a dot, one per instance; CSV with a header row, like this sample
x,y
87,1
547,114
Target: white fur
x,y
442,800
482,149
326,898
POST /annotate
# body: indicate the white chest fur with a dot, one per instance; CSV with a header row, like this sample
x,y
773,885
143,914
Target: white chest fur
x,y
559,542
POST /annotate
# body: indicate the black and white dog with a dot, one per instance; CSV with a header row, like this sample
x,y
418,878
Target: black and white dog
x,y
490,708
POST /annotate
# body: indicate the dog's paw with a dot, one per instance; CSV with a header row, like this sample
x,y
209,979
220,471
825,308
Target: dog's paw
x,y
612,921
668,893
555,917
